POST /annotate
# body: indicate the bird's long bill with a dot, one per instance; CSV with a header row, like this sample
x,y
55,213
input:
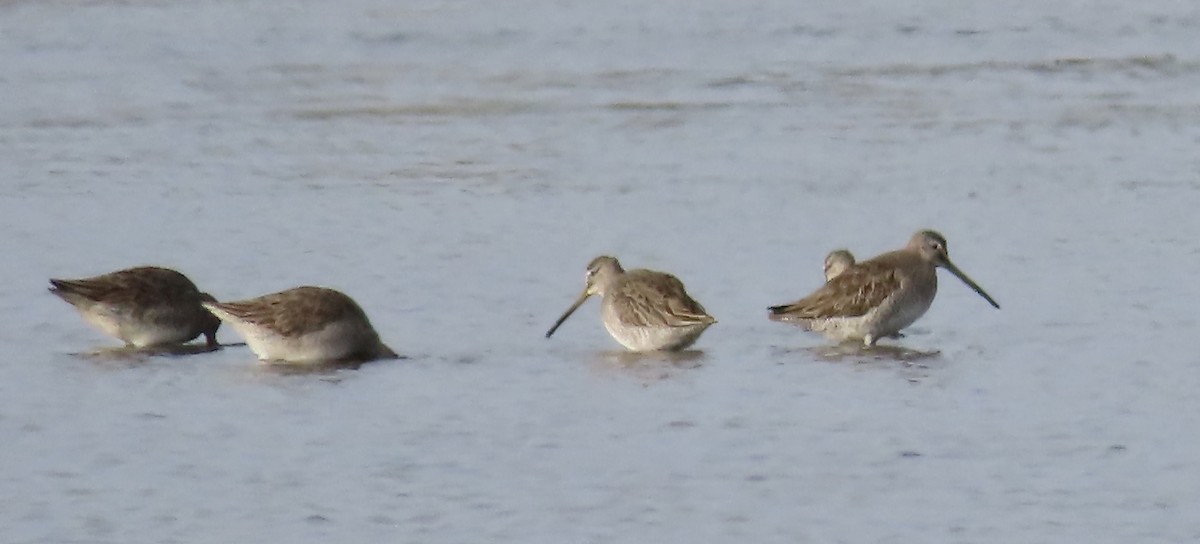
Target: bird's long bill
x,y
578,302
970,283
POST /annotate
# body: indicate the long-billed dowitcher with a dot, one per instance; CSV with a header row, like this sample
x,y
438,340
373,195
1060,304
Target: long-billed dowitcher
x,y
643,310
878,297
145,306
837,262
304,325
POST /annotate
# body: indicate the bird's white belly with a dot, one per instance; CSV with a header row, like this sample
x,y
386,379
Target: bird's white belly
x,y
156,335
334,342
843,328
139,333
106,322
895,317
654,338
883,321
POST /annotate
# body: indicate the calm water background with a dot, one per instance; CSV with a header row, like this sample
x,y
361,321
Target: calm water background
x,y
455,165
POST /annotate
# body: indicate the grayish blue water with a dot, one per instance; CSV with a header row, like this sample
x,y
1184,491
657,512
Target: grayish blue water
x,y
455,165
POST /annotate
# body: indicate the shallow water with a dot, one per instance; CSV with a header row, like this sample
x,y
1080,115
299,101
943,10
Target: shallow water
x,y
455,165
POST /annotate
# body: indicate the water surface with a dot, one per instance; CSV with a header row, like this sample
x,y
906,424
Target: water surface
x,y
455,165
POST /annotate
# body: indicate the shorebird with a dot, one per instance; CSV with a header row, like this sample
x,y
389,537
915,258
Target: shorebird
x,y
837,262
304,325
878,297
643,310
144,306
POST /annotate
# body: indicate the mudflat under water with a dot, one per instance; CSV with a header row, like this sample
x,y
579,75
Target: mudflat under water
x,y
455,165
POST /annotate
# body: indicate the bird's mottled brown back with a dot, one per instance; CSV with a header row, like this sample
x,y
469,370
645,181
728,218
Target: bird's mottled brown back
x,y
852,294
657,299
296,311
144,286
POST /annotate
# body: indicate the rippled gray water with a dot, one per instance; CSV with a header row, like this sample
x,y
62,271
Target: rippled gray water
x,y
455,165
